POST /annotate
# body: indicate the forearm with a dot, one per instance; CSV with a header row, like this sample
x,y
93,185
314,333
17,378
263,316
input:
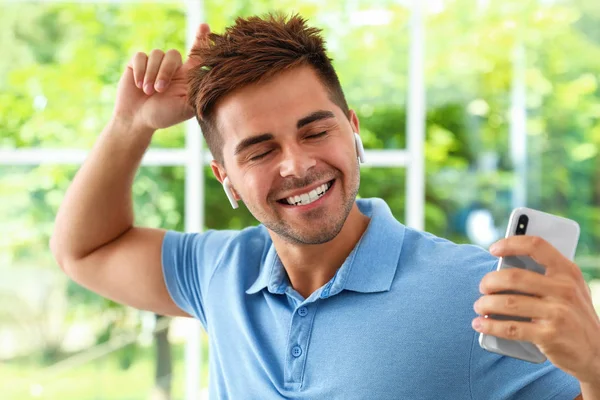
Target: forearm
x,y
98,206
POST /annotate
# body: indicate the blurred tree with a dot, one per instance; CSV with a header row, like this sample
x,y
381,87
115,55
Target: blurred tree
x,y
58,92
58,80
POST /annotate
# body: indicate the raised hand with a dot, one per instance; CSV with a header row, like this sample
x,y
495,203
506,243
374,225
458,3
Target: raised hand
x,y
152,92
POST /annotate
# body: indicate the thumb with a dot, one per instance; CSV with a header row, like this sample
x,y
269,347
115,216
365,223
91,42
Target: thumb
x,y
200,41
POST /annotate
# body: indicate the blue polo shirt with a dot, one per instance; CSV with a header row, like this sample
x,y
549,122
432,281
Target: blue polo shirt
x,y
393,323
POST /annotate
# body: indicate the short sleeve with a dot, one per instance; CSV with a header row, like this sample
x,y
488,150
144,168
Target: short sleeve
x,y
188,262
494,376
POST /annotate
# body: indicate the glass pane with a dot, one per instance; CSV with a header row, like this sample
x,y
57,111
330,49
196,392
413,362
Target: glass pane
x,y
387,184
468,100
513,117
58,340
62,63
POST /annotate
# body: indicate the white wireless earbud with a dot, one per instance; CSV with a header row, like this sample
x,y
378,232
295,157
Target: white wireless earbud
x,y
360,150
229,194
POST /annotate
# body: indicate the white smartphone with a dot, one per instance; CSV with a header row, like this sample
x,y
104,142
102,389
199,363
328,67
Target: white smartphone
x,y
561,233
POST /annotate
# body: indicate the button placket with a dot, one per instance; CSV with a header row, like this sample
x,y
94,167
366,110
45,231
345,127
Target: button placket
x,y
298,344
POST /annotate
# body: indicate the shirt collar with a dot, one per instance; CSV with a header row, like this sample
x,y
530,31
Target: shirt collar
x,y
272,275
370,267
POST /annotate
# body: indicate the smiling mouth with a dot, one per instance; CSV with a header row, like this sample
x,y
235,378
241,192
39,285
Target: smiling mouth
x,y
308,197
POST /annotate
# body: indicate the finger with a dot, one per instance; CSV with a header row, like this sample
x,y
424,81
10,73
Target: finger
x,y
127,77
138,65
535,247
152,67
201,35
513,305
512,330
170,63
522,245
520,280
201,41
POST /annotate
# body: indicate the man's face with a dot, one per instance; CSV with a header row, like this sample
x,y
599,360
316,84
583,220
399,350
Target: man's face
x,y
286,142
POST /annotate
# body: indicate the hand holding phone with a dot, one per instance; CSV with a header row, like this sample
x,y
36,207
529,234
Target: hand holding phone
x,y
563,235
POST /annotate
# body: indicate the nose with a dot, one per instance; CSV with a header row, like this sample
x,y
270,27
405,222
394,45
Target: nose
x,y
296,163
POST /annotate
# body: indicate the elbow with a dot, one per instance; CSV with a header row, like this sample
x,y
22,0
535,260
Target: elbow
x,y
57,252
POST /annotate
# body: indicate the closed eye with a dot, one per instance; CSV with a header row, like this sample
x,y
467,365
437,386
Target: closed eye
x,y
317,135
258,157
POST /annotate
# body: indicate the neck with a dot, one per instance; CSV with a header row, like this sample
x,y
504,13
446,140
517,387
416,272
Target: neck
x,y
311,266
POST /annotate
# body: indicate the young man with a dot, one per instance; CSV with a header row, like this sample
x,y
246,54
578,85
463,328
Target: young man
x,y
330,297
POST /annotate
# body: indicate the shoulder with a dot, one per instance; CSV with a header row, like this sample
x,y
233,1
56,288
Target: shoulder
x,y
437,251
216,245
449,269
248,239
245,244
438,274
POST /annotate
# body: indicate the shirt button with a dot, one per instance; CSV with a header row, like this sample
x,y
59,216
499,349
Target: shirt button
x,y
296,351
302,311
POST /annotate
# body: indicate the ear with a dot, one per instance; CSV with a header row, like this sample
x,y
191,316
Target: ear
x,y
219,172
360,150
354,122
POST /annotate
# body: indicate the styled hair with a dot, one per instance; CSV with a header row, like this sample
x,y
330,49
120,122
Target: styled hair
x,y
253,50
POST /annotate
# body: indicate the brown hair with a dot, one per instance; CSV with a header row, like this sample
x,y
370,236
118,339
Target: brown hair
x,y
252,50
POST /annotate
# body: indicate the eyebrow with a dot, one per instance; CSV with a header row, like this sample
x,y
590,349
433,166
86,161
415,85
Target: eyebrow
x,y
251,141
315,116
263,137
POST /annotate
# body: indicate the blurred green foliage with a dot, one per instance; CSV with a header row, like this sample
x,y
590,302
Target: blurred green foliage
x,y
62,61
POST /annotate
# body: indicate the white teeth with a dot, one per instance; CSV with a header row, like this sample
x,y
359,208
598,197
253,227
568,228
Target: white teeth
x,y
307,198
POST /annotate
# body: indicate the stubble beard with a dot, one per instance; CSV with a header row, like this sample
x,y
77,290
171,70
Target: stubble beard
x,y
321,226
